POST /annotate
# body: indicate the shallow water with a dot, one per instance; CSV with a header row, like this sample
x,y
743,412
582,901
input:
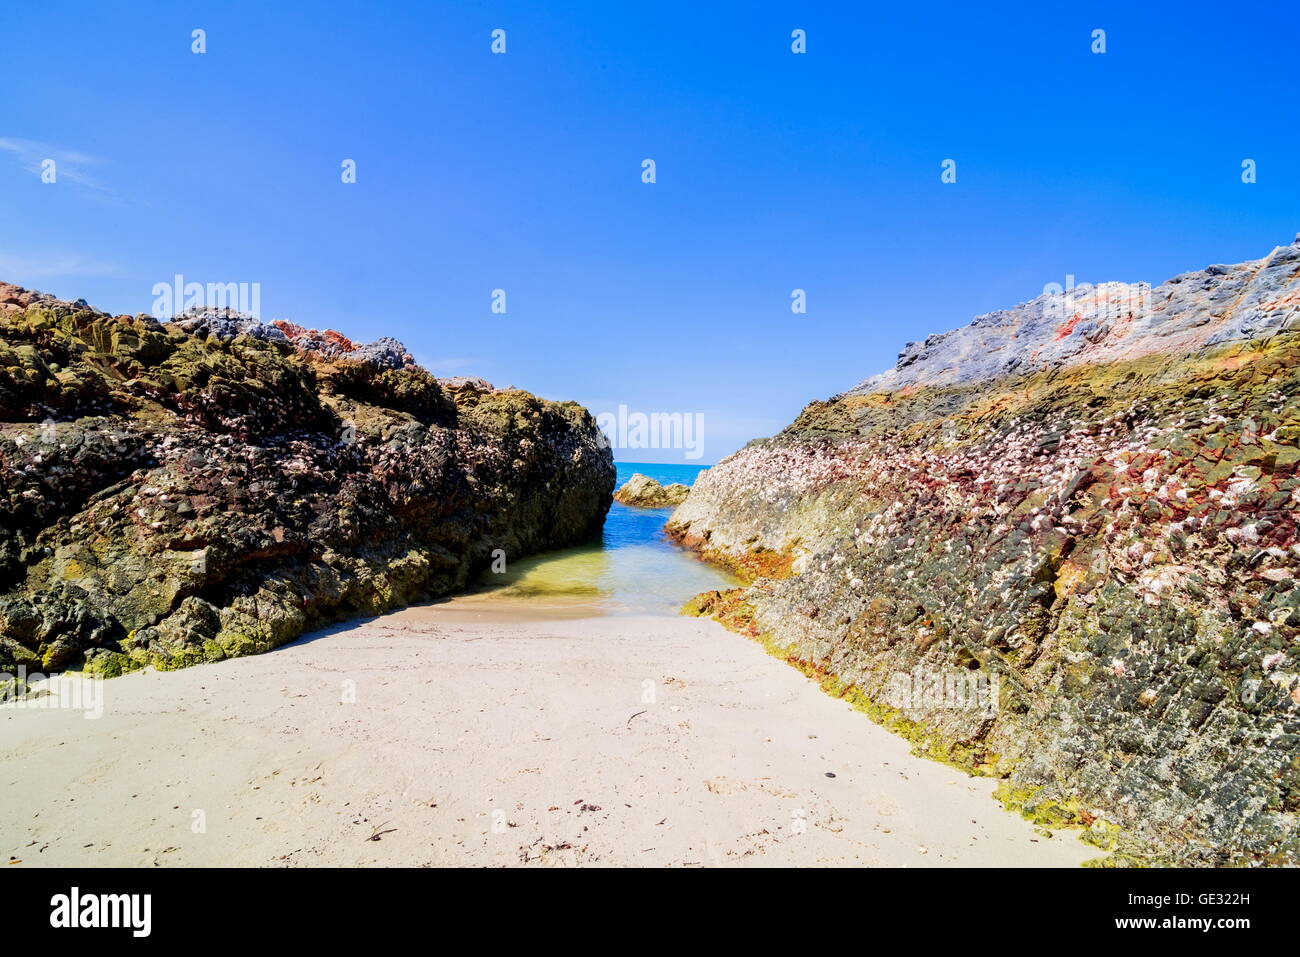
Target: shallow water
x,y
632,569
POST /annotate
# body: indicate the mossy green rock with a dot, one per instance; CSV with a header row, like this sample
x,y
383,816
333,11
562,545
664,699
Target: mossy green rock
x,y
174,496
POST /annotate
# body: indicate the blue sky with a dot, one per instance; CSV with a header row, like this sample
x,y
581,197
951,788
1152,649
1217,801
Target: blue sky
x,y
522,171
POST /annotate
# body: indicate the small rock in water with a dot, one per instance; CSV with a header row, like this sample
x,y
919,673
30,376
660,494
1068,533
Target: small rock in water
x,y
643,491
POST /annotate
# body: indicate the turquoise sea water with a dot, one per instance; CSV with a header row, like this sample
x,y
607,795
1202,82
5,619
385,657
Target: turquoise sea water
x,y
632,569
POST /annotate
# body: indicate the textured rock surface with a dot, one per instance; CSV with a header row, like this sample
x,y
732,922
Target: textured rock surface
x,y
214,486
1106,535
1107,323
643,491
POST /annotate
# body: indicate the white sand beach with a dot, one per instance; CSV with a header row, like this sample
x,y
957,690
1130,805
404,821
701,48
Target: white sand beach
x,y
472,733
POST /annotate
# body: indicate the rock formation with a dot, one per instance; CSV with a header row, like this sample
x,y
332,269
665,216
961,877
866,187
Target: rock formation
x,y
645,492
214,486
1089,504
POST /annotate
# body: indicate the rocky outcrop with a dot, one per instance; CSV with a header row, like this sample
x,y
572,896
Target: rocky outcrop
x,y
1091,516
1110,322
465,390
645,492
213,486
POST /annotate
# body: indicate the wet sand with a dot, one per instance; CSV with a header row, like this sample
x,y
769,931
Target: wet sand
x,y
482,733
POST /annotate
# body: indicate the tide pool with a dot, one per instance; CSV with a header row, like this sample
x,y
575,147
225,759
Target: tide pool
x,y
631,569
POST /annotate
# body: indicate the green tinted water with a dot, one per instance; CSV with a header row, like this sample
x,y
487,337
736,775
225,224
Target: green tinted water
x,y
632,569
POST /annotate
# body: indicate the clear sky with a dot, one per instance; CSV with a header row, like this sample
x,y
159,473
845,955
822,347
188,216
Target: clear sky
x,y
523,172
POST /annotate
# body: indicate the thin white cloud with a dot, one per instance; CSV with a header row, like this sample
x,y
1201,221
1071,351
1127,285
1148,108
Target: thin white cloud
x,y
70,165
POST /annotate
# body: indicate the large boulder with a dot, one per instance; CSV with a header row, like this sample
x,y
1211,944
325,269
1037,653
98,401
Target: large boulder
x,y
1101,534
214,486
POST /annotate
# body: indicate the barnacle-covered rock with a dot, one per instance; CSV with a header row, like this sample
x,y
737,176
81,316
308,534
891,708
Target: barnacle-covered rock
x,y
1103,531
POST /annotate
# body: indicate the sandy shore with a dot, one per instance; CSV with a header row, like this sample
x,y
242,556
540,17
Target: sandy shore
x,y
459,734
